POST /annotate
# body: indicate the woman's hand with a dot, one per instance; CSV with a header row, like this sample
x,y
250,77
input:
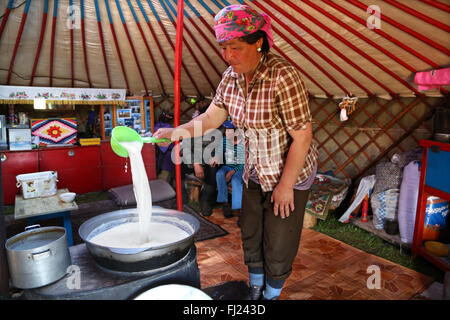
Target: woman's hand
x,y
283,200
164,133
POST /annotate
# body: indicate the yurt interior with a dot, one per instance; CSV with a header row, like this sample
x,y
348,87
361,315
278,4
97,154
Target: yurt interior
x,y
79,78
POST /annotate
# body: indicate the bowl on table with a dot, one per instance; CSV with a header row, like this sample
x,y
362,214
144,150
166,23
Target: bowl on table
x,y
67,196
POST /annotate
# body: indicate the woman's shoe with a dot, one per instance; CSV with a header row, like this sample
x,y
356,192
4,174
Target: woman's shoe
x,y
255,293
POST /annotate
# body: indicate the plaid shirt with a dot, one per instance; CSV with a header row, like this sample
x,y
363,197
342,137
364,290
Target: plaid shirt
x,y
277,102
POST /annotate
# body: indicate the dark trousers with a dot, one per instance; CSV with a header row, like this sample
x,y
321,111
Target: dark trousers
x,y
269,241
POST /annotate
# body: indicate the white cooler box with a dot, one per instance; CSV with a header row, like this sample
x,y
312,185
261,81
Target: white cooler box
x,y
38,184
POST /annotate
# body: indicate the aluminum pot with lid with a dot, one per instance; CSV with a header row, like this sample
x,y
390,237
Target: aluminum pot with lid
x,y
38,256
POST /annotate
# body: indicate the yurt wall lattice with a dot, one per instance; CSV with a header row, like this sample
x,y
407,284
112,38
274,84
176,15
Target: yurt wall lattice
x,y
377,129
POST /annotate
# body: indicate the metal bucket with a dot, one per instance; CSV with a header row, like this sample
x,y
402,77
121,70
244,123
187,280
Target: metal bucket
x,y
37,257
138,259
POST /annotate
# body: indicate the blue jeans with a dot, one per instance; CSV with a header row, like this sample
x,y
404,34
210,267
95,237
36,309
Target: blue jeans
x,y
236,184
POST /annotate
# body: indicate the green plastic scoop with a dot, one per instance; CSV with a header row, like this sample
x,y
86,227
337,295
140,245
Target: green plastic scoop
x,y
125,134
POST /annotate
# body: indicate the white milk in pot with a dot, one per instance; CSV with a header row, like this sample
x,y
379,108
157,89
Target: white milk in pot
x,y
144,233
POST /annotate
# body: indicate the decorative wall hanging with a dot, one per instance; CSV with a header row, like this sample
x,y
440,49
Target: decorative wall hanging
x,y
348,105
54,131
26,95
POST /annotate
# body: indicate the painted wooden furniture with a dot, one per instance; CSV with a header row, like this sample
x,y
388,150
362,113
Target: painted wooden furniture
x,y
434,181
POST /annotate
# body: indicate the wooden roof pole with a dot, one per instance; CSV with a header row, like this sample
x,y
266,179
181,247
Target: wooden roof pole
x,y
127,33
161,25
419,15
214,46
161,51
5,16
194,39
83,39
437,4
413,33
102,41
41,39
360,35
19,36
205,74
52,44
382,33
325,43
138,24
72,71
353,47
116,44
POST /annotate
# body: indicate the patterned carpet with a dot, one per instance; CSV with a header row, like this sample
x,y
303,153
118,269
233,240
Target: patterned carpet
x,y
324,268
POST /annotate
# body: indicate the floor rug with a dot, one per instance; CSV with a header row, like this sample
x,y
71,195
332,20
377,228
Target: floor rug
x,y
208,230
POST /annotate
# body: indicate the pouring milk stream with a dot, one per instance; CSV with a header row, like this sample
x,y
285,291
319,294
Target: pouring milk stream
x,y
144,233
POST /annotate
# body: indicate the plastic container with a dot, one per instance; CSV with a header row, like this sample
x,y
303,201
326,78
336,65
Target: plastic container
x,y
37,184
435,218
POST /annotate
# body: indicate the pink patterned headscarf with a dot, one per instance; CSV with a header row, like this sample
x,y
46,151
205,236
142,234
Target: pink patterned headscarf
x,y
236,21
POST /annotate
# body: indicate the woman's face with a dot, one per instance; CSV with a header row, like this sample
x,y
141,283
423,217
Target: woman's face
x,y
240,55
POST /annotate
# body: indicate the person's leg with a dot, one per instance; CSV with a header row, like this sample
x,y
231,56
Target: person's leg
x,y
208,189
281,243
252,236
184,171
222,191
236,195
273,288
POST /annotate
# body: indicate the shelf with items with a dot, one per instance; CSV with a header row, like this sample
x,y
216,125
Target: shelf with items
x,y
434,181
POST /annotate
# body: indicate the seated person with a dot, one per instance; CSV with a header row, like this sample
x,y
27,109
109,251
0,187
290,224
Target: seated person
x,y
201,168
233,150
164,165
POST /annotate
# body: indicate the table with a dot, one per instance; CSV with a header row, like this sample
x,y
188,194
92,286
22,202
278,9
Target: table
x,y
44,208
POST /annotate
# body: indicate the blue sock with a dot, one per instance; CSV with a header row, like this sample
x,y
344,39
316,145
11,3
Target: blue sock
x,y
273,288
256,276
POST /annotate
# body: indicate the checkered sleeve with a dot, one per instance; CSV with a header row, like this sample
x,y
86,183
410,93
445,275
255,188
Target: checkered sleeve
x,y
292,99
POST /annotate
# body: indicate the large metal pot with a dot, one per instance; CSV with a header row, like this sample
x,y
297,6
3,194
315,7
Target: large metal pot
x,y
37,257
138,259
